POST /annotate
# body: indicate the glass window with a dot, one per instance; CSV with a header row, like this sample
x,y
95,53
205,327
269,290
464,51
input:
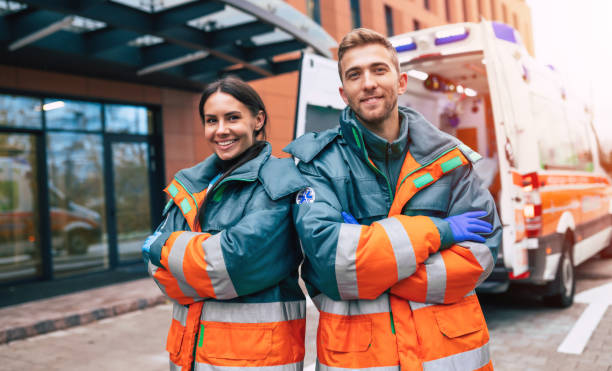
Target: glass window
x,y
127,119
76,187
355,14
320,118
20,256
20,112
465,11
416,25
447,9
389,20
493,10
426,4
72,115
313,9
555,143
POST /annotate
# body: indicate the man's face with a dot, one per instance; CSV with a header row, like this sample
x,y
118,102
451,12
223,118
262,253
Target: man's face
x,y
371,84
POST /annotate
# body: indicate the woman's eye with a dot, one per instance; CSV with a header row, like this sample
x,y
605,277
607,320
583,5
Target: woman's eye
x,y
210,121
234,117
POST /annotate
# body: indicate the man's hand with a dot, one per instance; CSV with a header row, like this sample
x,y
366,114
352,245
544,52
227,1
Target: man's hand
x,y
467,226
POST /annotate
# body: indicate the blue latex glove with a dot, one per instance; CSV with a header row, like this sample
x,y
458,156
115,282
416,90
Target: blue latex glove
x,y
146,247
467,226
348,218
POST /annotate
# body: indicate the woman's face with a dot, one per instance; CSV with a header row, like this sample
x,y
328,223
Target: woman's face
x,y
229,126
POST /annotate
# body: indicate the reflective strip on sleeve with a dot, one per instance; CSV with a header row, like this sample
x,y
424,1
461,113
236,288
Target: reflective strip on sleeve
x,y
436,279
216,268
216,311
179,313
322,367
470,360
346,260
483,255
298,366
401,245
416,305
152,269
352,307
175,263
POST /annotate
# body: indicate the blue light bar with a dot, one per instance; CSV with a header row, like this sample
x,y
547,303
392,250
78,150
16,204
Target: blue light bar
x,y
451,36
407,47
504,32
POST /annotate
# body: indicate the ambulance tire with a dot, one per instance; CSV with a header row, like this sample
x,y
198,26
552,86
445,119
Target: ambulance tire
x,y
562,289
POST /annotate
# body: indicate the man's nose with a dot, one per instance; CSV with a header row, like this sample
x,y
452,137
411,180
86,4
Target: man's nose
x,y
369,81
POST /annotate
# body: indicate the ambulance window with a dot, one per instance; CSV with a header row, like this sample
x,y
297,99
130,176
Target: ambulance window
x,y
555,145
579,134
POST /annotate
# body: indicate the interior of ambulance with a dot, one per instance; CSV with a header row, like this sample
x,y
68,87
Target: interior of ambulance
x,y
452,92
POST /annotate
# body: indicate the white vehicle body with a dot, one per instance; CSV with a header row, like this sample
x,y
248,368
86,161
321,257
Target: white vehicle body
x,y
540,159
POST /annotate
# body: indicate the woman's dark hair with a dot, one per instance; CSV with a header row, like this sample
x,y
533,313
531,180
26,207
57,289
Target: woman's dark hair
x,y
246,95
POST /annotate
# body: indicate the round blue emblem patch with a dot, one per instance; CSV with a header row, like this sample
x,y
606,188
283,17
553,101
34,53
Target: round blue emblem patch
x,y
306,195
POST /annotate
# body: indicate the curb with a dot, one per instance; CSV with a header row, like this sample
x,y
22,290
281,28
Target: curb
x,y
77,319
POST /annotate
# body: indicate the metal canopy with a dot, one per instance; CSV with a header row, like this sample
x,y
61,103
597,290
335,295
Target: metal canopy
x,y
175,43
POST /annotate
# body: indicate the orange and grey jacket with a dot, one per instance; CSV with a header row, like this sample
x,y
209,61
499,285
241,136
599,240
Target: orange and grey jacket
x,y
233,280
390,294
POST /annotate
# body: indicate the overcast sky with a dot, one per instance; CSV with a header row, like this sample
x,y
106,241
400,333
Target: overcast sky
x,y
576,38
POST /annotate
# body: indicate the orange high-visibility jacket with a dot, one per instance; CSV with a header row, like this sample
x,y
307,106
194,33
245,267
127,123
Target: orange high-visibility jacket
x,y
390,296
234,280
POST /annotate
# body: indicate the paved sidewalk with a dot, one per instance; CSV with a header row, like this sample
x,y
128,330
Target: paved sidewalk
x,y
60,312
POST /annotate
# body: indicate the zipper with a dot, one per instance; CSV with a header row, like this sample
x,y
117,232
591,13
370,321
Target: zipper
x,y
361,144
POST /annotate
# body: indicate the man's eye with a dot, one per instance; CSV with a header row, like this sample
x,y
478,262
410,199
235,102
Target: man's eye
x,y
381,70
352,75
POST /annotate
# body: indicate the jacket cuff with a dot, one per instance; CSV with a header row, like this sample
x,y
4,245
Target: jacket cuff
x,y
156,248
446,234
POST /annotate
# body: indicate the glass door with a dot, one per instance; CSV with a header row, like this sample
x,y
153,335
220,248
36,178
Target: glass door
x,y
20,242
131,195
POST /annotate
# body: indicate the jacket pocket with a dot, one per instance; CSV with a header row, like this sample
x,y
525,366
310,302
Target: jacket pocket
x,y
345,334
175,337
431,201
459,319
239,341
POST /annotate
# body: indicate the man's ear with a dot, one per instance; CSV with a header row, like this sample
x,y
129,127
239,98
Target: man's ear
x,y
403,83
344,98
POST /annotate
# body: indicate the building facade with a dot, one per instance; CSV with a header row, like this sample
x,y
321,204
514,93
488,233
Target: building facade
x,y
84,158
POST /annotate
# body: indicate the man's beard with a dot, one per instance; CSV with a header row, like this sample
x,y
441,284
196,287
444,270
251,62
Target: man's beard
x,y
375,121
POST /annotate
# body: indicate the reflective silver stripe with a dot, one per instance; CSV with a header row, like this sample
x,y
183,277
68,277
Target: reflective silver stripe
x,y
174,367
401,245
175,263
436,279
416,305
470,360
179,313
253,312
152,269
323,367
482,253
352,307
346,260
216,268
290,367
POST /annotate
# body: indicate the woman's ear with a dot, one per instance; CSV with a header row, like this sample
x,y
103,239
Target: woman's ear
x,y
259,120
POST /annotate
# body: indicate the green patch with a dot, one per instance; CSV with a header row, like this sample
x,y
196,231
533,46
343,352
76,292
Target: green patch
x,y
173,190
201,341
450,164
185,206
219,193
423,180
356,138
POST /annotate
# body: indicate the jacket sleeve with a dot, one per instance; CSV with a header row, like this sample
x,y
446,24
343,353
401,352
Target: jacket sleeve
x,y
450,274
351,261
255,253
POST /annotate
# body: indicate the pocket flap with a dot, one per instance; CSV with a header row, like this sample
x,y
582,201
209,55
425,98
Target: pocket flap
x,y
175,337
247,341
460,319
345,334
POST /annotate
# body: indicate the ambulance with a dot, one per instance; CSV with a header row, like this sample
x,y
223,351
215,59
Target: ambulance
x,y
540,156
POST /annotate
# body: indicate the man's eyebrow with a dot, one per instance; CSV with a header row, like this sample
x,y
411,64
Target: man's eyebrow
x,y
355,68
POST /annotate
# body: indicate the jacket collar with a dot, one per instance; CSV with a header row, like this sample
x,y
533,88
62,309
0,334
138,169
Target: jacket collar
x,y
425,141
195,179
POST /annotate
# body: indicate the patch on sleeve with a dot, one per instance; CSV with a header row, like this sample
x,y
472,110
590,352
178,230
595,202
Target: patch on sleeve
x,y
305,196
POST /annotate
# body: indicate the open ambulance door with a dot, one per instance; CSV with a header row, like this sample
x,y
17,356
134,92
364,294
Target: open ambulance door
x,y
319,102
503,54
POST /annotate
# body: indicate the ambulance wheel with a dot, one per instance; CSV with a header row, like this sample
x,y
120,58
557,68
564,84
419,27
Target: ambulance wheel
x,y
562,289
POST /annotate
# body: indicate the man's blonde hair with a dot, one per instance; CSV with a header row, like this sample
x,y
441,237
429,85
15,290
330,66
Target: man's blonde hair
x,y
361,37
